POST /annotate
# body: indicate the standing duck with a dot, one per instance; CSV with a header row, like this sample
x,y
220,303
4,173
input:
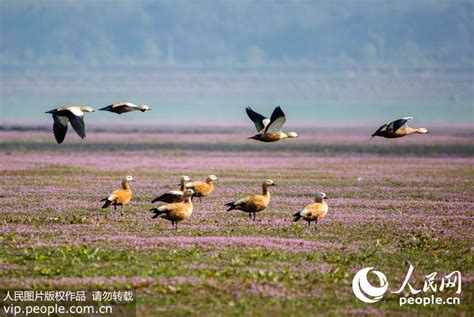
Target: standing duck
x,y
176,212
174,196
254,203
314,211
65,114
397,129
269,130
203,189
120,196
123,106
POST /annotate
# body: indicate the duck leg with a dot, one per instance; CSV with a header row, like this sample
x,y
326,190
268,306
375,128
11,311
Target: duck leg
x,y
121,211
250,216
254,215
316,224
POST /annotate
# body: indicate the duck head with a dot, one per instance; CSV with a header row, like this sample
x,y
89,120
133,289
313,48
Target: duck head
x,y
320,196
188,193
212,178
422,131
268,183
86,109
143,108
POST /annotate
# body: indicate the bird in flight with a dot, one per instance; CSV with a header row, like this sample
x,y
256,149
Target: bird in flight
x,y
269,130
65,114
397,129
123,107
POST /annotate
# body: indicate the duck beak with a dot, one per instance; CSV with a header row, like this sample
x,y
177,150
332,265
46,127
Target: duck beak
x,y
325,197
274,184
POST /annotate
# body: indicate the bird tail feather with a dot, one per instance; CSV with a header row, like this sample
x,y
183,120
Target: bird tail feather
x,y
156,213
296,216
231,206
107,203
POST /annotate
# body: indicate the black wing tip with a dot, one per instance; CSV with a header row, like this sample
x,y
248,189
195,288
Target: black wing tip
x,y
296,216
279,111
230,206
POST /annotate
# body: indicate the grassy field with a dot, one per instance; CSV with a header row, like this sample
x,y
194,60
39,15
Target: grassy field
x,y
392,202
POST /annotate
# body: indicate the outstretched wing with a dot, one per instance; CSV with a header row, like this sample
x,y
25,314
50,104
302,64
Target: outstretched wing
x,y
259,120
277,120
379,130
397,124
78,125
108,108
60,127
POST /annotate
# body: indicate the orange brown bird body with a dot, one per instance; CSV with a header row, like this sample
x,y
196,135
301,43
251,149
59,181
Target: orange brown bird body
x,y
176,212
120,197
203,189
254,203
314,211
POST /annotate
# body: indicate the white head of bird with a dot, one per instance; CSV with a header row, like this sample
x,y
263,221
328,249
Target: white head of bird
x,y
422,131
143,108
86,109
268,183
188,193
212,178
185,179
128,179
291,134
320,196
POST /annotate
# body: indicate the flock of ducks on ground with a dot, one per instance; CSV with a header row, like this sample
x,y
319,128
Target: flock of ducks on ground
x,y
268,130
177,205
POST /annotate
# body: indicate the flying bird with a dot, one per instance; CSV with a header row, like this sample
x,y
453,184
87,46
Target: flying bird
x,y
176,212
269,130
123,107
397,129
254,203
120,196
65,114
314,211
174,196
203,189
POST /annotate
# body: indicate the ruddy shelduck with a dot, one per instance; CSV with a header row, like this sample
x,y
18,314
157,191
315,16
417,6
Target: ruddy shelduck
x,y
124,106
269,130
174,196
176,212
314,211
397,129
65,114
120,196
255,203
203,189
